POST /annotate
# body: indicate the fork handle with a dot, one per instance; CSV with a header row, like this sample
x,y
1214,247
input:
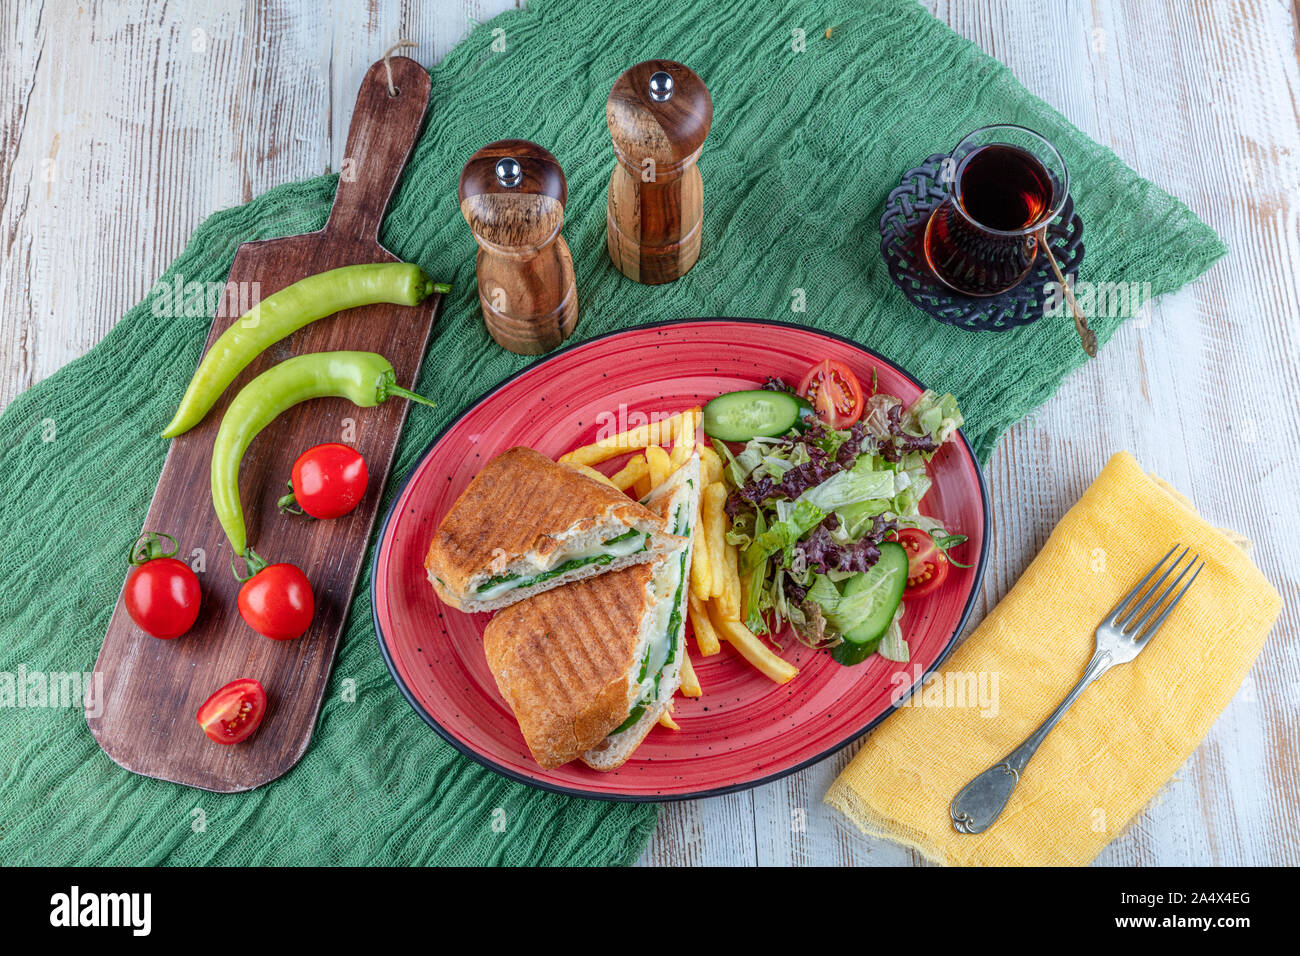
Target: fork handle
x,y
980,802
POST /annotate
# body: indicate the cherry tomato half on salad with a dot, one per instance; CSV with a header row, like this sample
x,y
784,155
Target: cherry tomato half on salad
x,y
162,593
233,713
327,481
927,565
277,600
834,392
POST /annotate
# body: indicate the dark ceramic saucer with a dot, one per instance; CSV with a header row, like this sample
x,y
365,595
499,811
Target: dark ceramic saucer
x,y
902,229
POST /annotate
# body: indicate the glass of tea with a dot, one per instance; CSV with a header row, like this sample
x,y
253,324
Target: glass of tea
x,y
1005,185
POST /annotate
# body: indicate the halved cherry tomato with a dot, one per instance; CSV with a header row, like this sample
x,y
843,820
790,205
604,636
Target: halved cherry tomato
x,y
162,593
233,713
927,566
834,392
277,600
327,481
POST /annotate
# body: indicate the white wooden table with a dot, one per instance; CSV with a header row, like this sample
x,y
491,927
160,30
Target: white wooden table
x,y
124,124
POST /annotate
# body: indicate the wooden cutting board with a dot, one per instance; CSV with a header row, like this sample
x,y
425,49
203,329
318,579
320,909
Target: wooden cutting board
x,y
151,690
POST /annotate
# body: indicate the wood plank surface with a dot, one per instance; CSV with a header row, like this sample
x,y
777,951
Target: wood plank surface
x,y
121,128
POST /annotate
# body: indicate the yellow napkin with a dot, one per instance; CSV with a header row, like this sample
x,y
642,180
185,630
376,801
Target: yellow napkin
x,y
1128,733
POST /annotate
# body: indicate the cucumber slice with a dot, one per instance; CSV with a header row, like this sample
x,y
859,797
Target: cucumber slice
x,y
807,414
882,588
849,654
740,416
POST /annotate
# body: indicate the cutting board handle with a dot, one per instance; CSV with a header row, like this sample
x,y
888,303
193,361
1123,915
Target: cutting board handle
x,y
380,140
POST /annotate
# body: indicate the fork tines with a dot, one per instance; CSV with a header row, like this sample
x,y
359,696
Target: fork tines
x,y
1125,616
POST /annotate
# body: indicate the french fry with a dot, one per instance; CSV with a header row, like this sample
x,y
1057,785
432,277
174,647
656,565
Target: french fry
x,y
666,718
701,570
699,501
593,473
711,463
652,433
752,648
690,683
660,465
715,533
684,443
729,600
642,486
706,638
627,476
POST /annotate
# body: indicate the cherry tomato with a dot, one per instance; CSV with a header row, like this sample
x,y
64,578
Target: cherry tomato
x,y
277,601
233,713
927,566
327,481
162,593
834,392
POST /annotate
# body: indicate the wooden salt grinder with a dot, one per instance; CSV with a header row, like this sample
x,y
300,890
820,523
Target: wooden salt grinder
x,y
659,113
512,194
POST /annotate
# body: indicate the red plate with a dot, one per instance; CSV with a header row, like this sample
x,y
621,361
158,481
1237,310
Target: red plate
x,y
745,730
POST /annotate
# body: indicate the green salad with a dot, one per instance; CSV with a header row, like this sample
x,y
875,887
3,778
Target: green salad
x,y
827,520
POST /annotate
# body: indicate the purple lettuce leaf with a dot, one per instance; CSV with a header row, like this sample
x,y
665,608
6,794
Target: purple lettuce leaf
x,y
822,553
819,466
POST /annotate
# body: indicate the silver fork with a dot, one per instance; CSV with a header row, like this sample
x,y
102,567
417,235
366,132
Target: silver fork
x,y
1120,638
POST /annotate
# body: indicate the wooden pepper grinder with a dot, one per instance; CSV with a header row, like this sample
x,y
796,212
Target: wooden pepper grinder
x,y
658,113
512,194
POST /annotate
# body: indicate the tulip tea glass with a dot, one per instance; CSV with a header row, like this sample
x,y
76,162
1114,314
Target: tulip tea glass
x,y
1005,186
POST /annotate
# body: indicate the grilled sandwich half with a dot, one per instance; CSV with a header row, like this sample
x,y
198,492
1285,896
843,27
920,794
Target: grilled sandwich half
x,y
526,525
590,667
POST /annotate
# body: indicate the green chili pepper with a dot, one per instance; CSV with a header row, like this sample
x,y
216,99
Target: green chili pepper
x,y
362,377
279,315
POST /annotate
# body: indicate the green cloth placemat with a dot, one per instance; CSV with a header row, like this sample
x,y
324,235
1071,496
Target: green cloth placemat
x,y
804,147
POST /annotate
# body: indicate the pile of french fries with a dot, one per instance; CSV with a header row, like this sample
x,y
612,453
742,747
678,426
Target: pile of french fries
x,y
715,599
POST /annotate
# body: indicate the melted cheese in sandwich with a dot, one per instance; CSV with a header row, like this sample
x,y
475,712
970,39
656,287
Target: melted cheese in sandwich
x,y
604,551
668,583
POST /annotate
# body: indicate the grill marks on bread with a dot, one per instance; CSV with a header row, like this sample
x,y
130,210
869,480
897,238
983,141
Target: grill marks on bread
x,y
561,660
520,502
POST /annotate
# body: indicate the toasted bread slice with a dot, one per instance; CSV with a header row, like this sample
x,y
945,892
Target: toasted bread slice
x,y
566,660
526,525
678,501
570,661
